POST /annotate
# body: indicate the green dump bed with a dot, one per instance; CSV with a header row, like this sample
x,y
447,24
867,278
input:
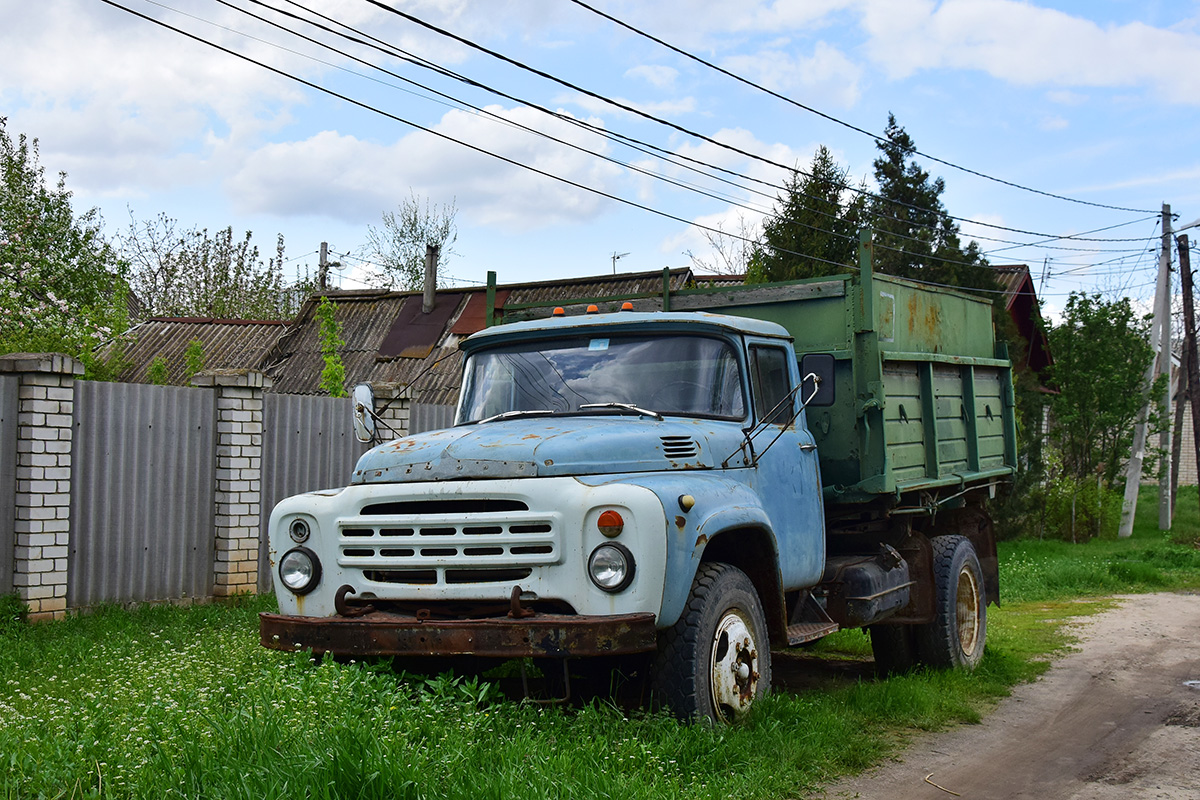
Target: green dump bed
x,y
924,398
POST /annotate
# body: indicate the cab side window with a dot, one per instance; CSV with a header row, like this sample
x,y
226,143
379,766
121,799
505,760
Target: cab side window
x,y
772,384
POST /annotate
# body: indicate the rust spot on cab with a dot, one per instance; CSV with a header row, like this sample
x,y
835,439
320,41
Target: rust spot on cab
x,y
680,522
702,539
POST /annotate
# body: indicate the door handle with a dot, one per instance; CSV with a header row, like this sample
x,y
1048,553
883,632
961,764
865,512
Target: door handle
x,y
808,448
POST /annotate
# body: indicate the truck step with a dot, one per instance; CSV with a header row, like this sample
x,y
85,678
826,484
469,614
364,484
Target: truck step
x,y
801,632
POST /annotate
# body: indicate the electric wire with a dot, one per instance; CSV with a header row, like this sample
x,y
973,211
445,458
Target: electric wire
x,y
607,195
843,123
627,141
674,126
410,58
449,138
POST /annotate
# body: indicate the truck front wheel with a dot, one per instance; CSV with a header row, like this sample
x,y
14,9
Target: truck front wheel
x,y
957,634
716,660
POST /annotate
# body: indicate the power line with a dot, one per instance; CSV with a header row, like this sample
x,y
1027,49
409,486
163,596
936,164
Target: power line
x,y
627,141
674,126
512,162
843,123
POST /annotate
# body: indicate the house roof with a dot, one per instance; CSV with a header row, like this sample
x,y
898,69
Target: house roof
x,y
1025,312
226,343
388,339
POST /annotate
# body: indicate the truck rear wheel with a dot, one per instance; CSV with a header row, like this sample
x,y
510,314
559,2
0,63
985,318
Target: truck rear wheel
x,y
716,660
957,634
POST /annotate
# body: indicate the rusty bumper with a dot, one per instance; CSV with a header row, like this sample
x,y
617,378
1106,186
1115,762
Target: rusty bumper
x,y
385,634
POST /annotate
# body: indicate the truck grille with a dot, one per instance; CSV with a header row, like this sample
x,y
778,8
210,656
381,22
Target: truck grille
x,y
458,541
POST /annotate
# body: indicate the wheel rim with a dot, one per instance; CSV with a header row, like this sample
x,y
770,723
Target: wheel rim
x,y
967,612
734,668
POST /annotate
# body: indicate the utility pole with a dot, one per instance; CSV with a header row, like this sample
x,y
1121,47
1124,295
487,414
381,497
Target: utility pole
x,y
1133,474
323,268
1164,367
1189,327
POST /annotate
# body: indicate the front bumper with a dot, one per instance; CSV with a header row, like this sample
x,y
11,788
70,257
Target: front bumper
x,y
387,634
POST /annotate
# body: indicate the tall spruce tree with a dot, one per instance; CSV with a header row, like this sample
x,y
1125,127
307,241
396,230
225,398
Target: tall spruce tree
x,y
814,229
914,236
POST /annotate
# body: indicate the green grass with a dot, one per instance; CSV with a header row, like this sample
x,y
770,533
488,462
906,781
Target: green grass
x,y
183,702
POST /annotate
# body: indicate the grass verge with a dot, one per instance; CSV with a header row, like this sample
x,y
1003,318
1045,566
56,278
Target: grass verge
x,y
175,702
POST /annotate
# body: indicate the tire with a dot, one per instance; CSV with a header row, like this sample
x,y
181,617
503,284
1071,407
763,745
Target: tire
x,y
895,649
957,635
715,661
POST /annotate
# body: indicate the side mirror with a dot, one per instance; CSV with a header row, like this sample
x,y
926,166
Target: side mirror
x,y
364,412
816,379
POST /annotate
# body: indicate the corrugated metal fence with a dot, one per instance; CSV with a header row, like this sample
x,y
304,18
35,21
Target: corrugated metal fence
x,y
308,444
8,477
423,417
142,494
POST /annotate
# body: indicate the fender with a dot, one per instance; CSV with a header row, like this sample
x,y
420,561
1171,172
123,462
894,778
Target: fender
x,y
721,505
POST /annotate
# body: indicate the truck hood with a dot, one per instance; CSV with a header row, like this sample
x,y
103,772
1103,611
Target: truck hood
x,y
560,446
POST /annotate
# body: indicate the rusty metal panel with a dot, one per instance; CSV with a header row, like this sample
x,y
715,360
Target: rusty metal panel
x,y
308,444
9,385
142,493
382,634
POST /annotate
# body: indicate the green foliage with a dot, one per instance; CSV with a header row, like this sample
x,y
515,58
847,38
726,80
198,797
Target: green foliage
x,y
166,702
1101,354
157,372
333,375
914,236
12,613
1077,510
62,288
189,273
814,228
397,250
193,359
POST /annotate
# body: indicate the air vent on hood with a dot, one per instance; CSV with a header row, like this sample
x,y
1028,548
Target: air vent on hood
x,y
679,447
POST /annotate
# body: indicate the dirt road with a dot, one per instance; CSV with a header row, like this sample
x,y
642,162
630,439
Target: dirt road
x,y
1120,718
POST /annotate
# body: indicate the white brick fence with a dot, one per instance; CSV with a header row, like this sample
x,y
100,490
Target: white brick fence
x,y
131,493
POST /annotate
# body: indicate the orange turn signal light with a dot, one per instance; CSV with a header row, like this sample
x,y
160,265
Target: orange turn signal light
x,y
610,523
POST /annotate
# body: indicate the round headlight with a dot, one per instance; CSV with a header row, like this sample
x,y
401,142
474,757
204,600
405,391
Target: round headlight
x,y
611,567
298,530
300,570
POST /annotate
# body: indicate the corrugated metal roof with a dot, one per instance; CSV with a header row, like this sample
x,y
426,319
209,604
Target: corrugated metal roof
x,y
295,363
227,344
1012,279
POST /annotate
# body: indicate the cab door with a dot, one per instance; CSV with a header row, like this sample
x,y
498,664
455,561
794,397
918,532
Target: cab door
x,y
786,472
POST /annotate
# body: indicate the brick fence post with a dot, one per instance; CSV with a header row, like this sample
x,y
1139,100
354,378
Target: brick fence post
x,y
42,511
238,476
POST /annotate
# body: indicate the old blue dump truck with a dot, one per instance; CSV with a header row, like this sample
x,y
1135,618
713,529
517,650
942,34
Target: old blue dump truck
x,y
699,478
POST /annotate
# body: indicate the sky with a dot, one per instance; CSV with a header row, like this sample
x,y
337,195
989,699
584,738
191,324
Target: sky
x,y
1093,101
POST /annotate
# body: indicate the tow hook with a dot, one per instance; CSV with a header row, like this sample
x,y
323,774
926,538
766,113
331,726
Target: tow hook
x,y
514,605
343,610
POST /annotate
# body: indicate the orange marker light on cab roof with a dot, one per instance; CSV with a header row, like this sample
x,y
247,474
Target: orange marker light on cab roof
x,y
610,523
627,306
559,311
593,309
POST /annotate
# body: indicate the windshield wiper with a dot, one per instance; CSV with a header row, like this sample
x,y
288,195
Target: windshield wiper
x,y
627,407
514,414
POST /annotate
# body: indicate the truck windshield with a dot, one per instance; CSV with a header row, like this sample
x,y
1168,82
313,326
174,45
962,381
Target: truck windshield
x,y
674,374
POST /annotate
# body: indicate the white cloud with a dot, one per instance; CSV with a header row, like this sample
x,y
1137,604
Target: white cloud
x,y
825,76
354,180
656,75
1053,123
1026,45
664,108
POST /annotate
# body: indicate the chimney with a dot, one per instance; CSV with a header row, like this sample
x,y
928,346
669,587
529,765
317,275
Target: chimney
x,y
431,260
